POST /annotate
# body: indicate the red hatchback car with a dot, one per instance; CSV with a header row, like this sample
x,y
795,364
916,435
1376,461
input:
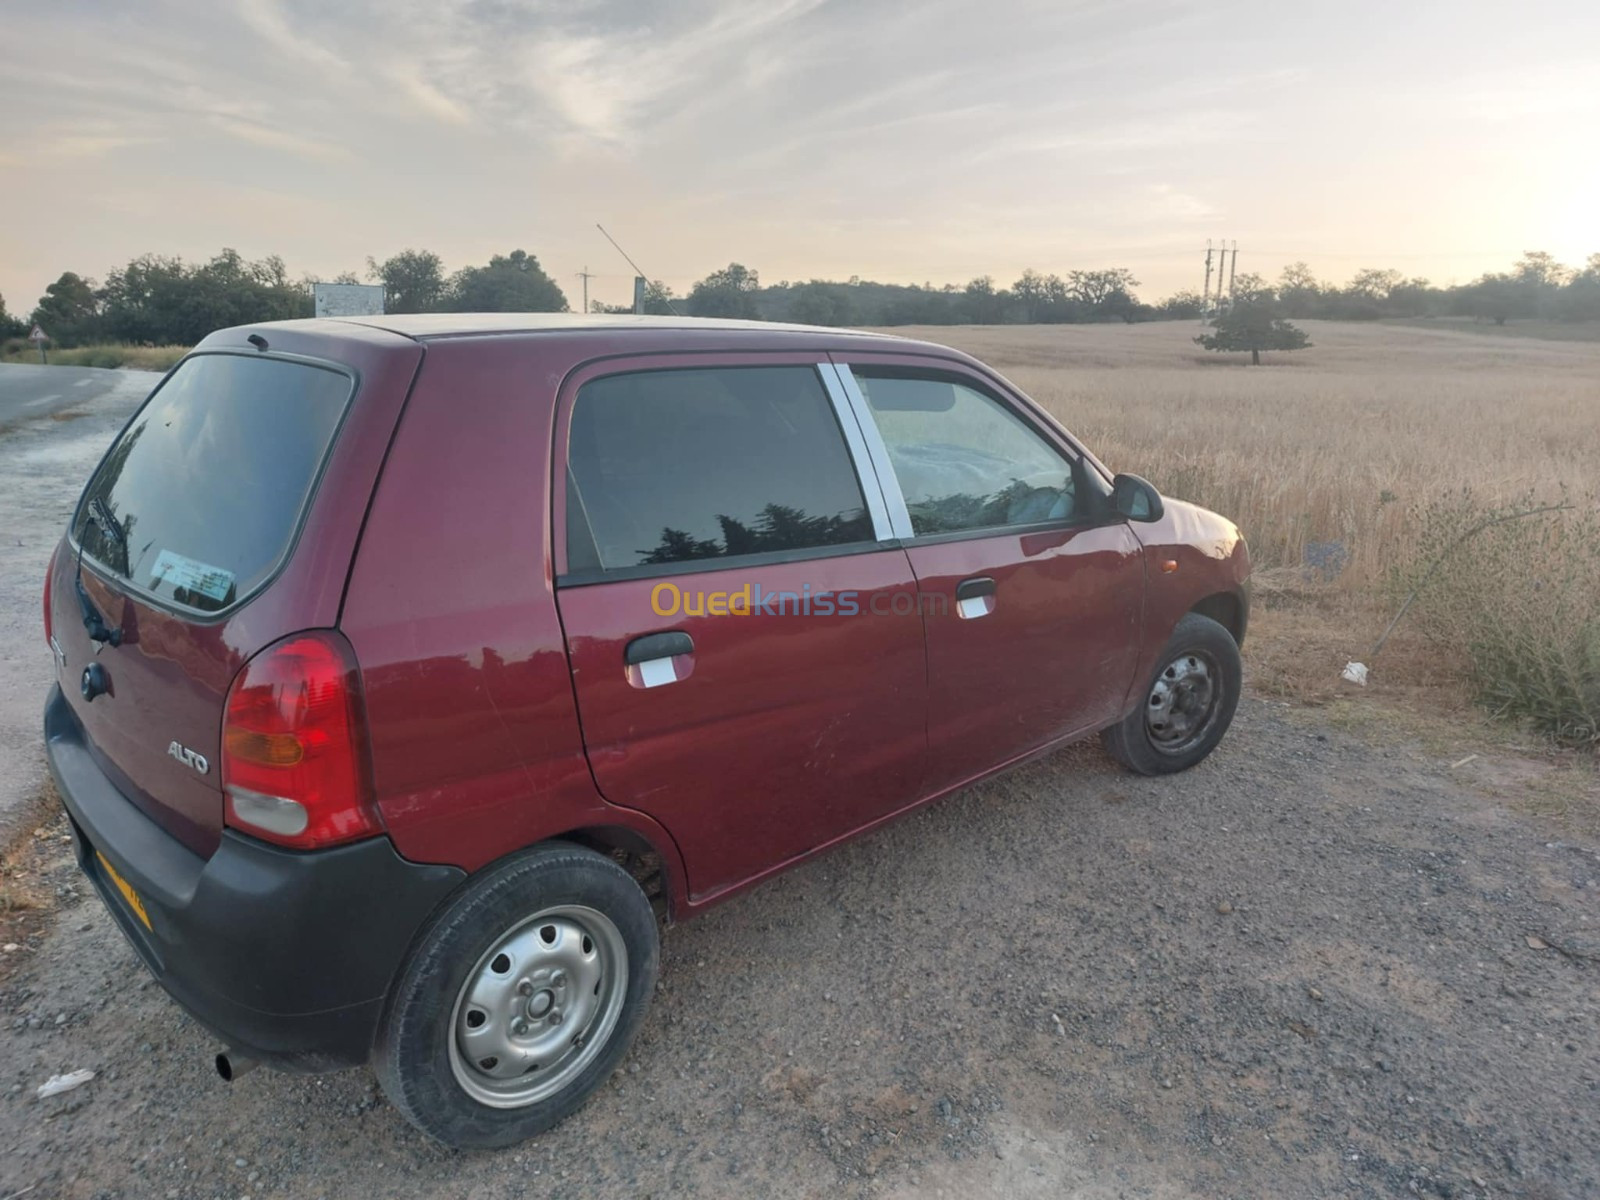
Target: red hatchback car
x,y
406,664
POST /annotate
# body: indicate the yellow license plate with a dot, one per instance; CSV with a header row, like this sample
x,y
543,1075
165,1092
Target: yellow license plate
x,y
126,888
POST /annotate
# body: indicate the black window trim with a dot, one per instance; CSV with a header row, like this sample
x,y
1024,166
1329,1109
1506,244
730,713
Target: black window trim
x,y
731,562
197,616
865,471
1098,493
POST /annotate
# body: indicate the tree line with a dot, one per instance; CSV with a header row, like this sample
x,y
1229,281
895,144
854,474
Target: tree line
x,y
158,300
1537,286
163,300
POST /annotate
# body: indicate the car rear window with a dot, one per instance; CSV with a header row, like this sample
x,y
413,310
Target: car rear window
x,y
198,500
670,466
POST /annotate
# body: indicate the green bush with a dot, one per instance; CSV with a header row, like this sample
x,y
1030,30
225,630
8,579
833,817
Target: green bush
x,y
1518,593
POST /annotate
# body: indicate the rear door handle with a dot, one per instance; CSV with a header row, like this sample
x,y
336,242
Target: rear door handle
x,y
659,658
975,597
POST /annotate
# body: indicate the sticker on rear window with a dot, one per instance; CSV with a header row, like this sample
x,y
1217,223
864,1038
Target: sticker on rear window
x,y
188,575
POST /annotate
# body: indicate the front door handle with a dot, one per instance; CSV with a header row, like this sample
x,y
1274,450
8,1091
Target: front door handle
x,y
659,658
975,597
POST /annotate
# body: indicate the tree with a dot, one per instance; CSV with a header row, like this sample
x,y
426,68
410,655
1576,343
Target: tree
x,y
1252,289
1373,284
166,301
1541,270
68,309
1299,290
1252,323
729,292
1030,293
1495,297
822,303
1181,306
413,281
984,305
510,283
1097,289
10,326
1580,301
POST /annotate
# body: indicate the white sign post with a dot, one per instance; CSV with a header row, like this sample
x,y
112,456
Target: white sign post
x,y
38,337
347,299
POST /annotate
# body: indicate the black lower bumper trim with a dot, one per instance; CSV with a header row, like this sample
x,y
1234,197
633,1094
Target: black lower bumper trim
x,y
286,955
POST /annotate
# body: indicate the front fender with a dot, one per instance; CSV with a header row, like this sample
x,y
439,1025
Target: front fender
x,y
1195,559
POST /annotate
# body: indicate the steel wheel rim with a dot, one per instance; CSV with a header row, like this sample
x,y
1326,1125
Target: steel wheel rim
x,y
538,1006
1183,702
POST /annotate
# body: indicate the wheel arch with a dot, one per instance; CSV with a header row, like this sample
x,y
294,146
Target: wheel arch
x,y
1231,610
624,843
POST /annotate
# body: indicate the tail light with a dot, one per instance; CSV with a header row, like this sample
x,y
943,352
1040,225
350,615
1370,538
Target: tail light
x,y
49,581
294,746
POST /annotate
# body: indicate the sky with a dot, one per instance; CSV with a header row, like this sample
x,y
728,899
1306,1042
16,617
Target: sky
x,y
901,141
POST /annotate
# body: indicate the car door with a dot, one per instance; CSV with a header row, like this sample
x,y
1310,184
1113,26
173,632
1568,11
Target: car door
x,y
741,625
1031,589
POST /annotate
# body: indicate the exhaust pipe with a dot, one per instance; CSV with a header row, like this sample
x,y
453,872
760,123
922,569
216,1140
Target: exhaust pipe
x,y
231,1064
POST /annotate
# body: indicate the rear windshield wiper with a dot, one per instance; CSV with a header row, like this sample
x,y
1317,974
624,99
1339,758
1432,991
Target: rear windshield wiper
x,y
102,518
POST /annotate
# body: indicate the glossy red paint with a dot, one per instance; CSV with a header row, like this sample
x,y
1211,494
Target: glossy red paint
x,y
1213,569
451,612
797,729
435,544
1053,659
169,678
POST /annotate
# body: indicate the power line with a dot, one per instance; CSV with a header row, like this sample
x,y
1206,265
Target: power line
x,y
638,273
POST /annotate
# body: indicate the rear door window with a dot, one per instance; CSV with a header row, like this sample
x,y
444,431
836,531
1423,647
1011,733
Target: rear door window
x,y
672,466
198,501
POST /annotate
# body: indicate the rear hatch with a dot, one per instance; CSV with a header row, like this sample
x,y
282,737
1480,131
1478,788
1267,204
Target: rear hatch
x,y
222,518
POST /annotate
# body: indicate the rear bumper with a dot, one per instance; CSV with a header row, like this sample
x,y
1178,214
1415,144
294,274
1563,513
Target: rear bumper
x,y
286,956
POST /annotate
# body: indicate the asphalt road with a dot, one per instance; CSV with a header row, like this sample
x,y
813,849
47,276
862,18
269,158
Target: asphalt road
x,y
55,423
28,393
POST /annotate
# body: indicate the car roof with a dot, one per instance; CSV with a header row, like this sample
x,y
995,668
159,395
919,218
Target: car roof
x,y
615,333
440,325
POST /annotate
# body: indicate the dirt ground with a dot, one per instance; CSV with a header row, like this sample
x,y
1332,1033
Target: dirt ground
x,y
1316,966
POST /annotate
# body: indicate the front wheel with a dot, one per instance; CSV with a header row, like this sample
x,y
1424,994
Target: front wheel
x,y
1188,704
520,998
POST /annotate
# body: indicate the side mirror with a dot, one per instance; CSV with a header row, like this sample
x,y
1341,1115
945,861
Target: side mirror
x,y
1136,499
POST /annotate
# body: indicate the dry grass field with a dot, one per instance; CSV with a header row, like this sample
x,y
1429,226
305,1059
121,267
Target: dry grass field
x,y
1338,443
1346,452
110,354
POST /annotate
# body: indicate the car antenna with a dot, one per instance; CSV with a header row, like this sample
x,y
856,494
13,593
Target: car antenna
x,y
636,268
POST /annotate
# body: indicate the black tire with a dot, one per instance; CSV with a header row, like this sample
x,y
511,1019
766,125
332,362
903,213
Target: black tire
x,y
418,1056
1203,647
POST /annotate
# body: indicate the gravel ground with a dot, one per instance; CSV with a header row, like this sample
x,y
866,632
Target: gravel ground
x,y
1312,967
49,443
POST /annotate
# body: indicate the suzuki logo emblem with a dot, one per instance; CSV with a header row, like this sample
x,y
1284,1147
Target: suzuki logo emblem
x,y
188,757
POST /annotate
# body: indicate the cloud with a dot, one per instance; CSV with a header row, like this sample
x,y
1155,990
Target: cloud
x,y
267,19
277,139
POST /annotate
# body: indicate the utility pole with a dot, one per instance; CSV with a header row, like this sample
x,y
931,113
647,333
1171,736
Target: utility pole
x,y
1232,267
638,290
585,276
1205,296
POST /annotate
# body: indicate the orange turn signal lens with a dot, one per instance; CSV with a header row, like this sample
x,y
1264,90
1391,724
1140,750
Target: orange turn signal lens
x,y
265,749
1169,565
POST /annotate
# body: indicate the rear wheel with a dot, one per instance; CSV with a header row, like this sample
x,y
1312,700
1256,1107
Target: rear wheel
x,y
520,999
1188,704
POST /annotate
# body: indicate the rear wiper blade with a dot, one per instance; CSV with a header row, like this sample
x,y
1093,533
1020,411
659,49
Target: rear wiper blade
x,y
109,525
101,517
